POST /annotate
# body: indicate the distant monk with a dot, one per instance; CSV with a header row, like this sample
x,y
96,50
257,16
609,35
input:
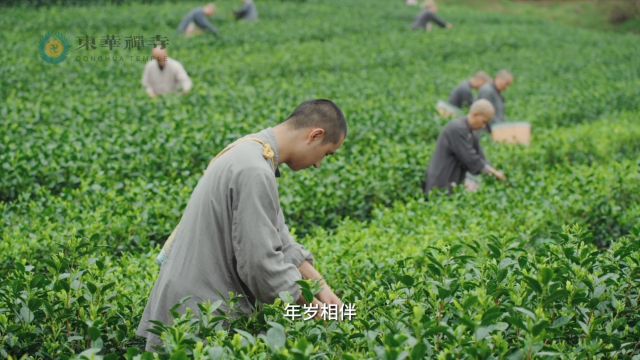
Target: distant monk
x,y
492,91
458,151
163,75
249,12
425,20
196,21
462,96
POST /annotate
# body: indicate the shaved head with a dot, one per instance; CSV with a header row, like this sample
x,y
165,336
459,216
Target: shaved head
x,y
480,114
320,113
209,9
503,80
505,75
160,55
482,106
480,78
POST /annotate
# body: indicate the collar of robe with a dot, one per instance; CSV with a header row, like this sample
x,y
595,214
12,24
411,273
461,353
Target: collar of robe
x,y
267,152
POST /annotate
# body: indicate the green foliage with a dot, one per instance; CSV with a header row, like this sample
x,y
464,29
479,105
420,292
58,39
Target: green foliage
x,y
95,176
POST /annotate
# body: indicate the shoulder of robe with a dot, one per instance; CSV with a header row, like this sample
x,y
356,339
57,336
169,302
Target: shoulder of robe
x,y
256,174
247,157
175,63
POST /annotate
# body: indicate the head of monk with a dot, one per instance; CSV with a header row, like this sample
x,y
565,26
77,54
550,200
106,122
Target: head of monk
x,y
504,79
480,114
431,6
480,78
209,9
160,55
315,129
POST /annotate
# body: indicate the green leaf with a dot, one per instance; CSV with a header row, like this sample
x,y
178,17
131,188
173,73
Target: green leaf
x,y
179,355
247,336
533,283
26,315
491,315
539,327
546,275
526,312
276,338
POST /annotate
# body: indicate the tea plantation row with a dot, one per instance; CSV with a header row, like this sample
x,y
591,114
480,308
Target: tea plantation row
x,y
508,268
92,121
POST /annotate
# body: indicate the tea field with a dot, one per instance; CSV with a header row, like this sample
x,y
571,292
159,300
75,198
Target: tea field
x,y
94,176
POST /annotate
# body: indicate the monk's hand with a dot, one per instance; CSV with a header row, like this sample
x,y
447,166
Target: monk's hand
x,y
471,186
495,173
326,295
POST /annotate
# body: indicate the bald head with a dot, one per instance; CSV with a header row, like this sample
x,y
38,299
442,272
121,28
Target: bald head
x,y
480,78
431,5
320,113
160,55
209,9
504,79
480,114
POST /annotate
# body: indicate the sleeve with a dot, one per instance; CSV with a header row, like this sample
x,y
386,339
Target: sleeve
x,y
185,23
261,262
145,80
454,98
201,20
467,99
183,78
294,253
438,20
421,21
484,94
462,146
242,12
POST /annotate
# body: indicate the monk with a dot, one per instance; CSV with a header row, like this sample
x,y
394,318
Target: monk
x,y
164,75
462,96
493,91
428,16
196,22
248,12
233,236
458,151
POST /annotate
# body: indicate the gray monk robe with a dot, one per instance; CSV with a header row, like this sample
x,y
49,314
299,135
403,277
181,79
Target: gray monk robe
x,y
489,92
232,237
462,96
457,152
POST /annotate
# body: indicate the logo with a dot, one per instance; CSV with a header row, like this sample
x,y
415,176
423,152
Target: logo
x,y
54,48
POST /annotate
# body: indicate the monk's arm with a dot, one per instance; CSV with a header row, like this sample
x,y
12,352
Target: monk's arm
x,y
326,295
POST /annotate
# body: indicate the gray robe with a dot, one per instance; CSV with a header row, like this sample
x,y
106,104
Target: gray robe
x,y
249,12
424,18
490,92
198,17
232,237
457,152
462,96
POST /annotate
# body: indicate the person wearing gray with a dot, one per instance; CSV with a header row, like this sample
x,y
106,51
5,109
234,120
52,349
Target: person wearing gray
x,y
462,96
458,151
425,20
232,236
196,21
249,12
493,91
